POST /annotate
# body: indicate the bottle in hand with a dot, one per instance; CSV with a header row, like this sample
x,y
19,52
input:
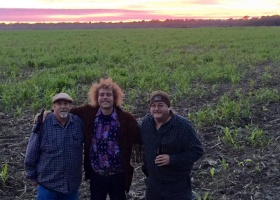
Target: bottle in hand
x,y
159,150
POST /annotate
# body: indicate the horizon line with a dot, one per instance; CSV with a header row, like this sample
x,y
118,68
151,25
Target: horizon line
x,y
55,15
137,21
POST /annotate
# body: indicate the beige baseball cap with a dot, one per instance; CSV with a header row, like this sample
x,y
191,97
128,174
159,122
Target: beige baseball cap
x,y
62,96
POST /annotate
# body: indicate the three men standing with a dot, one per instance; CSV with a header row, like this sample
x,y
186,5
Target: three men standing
x,y
170,147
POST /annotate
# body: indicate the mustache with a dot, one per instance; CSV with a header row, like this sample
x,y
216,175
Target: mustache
x,y
64,110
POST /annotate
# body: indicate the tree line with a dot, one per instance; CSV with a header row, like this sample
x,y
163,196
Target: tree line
x,y
154,23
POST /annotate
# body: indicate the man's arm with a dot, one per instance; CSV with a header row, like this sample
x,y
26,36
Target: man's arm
x,y
39,122
38,117
137,151
83,111
79,111
134,128
192,150
32,156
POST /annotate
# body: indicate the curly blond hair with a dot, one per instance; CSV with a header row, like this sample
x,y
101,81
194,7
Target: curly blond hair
x,y
105,83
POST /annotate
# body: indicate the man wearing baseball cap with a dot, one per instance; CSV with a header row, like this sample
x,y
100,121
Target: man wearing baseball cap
x,y
170,149
54,155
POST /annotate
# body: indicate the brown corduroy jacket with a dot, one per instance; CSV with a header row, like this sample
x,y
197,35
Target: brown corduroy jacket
x,y
130,134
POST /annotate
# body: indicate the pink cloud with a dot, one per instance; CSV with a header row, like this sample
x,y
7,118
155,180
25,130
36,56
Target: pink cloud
x,y
82,15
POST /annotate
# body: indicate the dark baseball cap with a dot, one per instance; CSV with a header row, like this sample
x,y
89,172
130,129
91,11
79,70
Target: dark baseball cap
x,y
159,96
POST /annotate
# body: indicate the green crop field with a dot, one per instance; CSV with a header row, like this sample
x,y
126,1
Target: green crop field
x,y
225,80
183,62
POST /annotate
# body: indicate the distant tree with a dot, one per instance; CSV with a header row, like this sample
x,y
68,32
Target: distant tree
x,y
254,18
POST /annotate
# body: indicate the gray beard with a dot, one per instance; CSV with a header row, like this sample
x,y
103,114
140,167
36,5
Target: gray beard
x,y
64,114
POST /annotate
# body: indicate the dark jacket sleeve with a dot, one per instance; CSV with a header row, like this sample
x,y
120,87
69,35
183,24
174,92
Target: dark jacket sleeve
x,y
192,149
86,112
135,130
79,110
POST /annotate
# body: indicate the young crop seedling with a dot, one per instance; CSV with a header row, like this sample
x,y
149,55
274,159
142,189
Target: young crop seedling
x,y
256,137
230,135
198,196
258,169
224,164
267,76
4,173
212,172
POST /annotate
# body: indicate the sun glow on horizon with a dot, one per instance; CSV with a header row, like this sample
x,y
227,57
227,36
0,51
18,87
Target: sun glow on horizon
x,y
137,10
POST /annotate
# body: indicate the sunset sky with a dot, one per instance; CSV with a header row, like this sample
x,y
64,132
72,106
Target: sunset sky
x,y
33,11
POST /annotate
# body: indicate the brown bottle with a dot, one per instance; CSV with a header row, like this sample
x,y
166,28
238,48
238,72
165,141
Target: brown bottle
x,y
159,150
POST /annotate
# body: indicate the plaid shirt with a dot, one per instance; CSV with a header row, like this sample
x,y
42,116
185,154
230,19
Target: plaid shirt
x,y
176,138
54,156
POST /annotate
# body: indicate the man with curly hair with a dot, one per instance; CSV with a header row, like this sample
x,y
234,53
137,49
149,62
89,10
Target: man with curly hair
x,y
109,134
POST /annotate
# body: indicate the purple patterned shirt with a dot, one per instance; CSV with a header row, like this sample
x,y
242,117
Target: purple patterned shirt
x,y
105,152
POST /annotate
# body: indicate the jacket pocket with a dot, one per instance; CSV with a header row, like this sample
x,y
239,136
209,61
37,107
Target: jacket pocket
x,y
50,148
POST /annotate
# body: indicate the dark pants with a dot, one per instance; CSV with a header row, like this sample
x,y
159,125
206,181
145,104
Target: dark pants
x,y
180,190
113,185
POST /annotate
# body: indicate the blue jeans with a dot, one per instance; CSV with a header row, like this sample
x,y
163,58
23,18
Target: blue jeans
x,y
47,194
113,185
180,190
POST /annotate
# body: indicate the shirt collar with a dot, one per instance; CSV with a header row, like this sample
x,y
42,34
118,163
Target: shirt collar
x,y
55,120
113,114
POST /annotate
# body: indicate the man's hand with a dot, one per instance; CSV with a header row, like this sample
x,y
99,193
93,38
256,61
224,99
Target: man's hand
x,y
162,160
35,183
46,113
